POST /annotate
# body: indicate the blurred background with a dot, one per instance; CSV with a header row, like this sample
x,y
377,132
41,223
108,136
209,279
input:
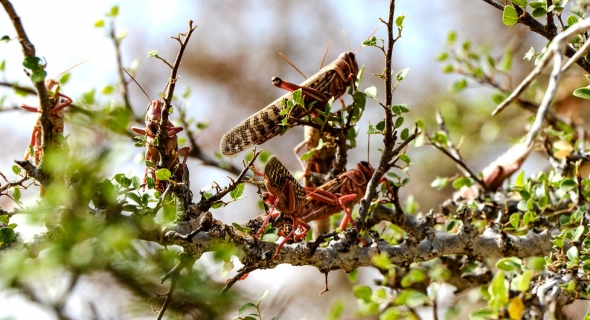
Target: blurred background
x,y
228,65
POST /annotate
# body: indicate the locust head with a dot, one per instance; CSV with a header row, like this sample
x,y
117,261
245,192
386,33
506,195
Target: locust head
x,y
346,62
366,168
153,116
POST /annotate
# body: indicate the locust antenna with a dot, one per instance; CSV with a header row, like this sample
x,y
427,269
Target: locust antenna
x,y
325,54
70,68
292,65
369,145
346,37
137,83
372,33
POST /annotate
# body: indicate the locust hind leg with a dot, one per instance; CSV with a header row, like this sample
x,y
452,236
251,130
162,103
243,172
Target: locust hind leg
x,y
347,215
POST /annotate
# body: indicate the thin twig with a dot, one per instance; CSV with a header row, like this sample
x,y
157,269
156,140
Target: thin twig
x,y
173,283
206,203
13,184
162,134
535,26
44,103
117,44
390,137
554,51
245,270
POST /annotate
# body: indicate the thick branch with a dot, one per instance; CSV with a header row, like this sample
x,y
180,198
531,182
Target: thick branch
x,y
340,254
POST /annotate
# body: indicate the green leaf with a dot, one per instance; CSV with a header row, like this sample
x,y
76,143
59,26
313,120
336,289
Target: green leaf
x,y
237,192
405,134
439,183
571,20
451,38
522,282
106,90
452,224
448,68
114,12
442,56
64,78
7,235
462,182
382,261
264,156
572,253
509,16
307,155
528,217
264,294
530,54
241,228
38,76
538,4
439,273
539,12
99,23
402,74
399,20
371,42
398,122
506,63
420,124
568,184
414,276
245,307
440,137
509,264
578,232
362,292
515,220
411,298
481,314
353,275
498,292
525,195
371,92
405,158
4,220
16,193
583,93
5,39
459,85
270,237
536,263
520,3
163,174
522,206
16,169
519,181
33,63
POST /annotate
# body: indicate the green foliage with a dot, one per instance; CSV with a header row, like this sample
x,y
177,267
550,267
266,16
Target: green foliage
x,y
509,16
250,305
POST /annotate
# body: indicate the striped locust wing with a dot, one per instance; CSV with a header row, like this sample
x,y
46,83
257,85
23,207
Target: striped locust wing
x,y
262,126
